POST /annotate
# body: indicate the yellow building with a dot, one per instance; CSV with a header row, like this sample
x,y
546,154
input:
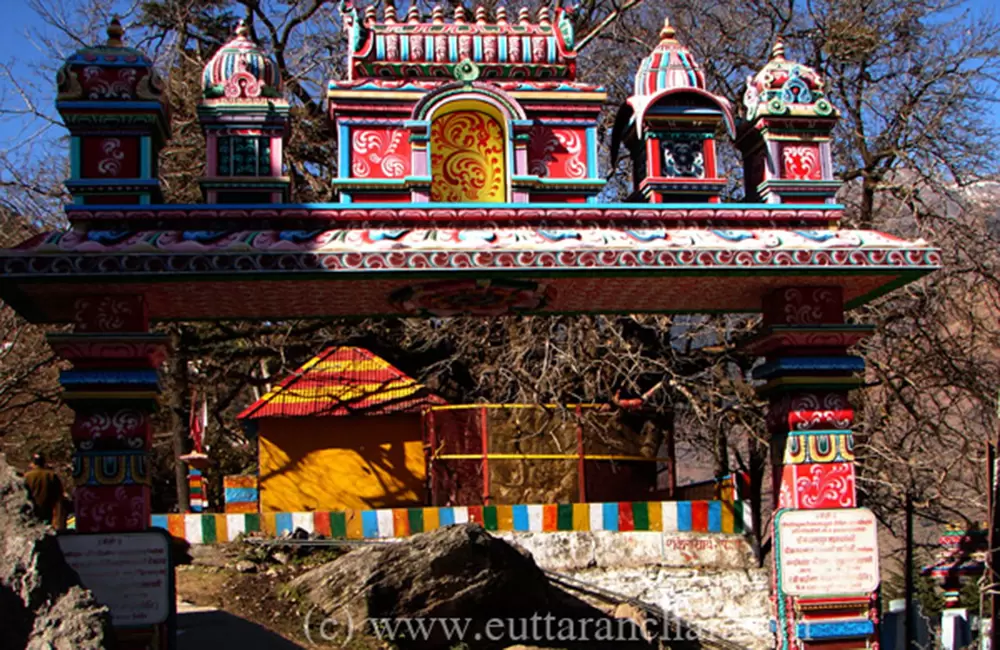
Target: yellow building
x,y
343,431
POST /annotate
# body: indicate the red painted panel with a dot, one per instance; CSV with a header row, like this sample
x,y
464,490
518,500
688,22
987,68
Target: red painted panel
x,y
804,306
112,508
321,523
110,314
556,198
699,516
112,428
369,197
801,162
476,514
550,518
626,521
815,486
558,152
380,152
109,157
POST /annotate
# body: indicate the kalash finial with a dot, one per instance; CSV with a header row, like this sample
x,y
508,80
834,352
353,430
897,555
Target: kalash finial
x,y
668,32
116,33
242,29
778,49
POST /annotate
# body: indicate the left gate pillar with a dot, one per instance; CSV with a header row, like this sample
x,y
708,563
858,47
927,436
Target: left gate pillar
x,y
824,548
112,387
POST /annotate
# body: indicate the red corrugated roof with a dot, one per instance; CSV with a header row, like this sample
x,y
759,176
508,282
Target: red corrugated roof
x,y
343,381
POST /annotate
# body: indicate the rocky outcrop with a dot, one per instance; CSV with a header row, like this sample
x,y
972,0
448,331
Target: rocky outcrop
x,y
489,594
43,604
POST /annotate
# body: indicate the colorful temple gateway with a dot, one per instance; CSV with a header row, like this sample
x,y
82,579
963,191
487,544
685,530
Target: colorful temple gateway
x,y
468,184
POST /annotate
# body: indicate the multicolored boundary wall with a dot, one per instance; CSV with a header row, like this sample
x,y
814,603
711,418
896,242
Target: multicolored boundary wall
x,y
666,516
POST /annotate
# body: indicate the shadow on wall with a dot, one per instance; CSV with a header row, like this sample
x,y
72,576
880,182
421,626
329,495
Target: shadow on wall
x,y
319,464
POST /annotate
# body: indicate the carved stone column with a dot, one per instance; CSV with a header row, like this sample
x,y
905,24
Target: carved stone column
x,y
113,387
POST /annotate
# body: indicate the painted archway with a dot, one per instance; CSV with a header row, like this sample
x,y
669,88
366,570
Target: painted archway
x,y
468,154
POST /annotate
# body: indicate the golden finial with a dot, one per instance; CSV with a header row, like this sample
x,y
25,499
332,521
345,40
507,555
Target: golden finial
x,y
668,32
116,33
242,29
778,49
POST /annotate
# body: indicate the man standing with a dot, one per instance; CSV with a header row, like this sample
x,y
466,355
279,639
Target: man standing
x,y
46,491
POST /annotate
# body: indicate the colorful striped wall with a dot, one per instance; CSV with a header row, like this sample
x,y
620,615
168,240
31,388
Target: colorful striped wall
x,y
667,516
241,494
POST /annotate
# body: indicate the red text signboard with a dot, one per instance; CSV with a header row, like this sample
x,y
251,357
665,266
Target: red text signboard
x,y
827,552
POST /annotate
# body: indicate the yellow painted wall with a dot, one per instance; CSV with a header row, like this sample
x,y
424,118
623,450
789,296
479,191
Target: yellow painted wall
x,y
333,463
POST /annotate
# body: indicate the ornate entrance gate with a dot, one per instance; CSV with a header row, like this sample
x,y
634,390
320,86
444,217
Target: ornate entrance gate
x,y
385,249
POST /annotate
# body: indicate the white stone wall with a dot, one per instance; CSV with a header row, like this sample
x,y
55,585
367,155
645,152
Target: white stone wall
x,y
711,583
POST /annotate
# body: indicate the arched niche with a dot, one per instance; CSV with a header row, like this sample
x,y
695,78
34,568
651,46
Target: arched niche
x,y
470,143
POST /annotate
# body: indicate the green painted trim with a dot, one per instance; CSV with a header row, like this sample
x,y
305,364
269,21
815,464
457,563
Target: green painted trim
x,y
490,520
640,515
415,518
145,157
74,157
564,516
338,524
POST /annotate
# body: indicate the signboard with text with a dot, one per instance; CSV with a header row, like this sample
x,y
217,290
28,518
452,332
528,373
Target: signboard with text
x,y
827,552
130,573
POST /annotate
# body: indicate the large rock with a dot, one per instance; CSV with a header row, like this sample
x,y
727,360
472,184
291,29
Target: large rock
x,y
42,603
460,574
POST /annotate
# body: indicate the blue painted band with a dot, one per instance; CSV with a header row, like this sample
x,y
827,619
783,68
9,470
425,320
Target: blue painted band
x,y
132,377
283,523
809,364
834,629
241,495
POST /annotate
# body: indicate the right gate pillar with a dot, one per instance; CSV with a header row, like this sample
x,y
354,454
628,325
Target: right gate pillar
x,y
824,551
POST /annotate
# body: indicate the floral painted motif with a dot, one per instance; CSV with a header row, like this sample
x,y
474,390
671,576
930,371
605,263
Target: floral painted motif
x,y
111,164
817,486
380,153
468,158
472,298
801,163
556,152
110,314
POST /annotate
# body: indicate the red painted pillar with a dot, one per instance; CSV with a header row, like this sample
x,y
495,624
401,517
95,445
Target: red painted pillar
x,y
806,377
113,388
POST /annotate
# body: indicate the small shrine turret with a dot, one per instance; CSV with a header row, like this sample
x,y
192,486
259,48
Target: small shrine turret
x,y
669,126
470,108
111,99
961,557
786,139
245,119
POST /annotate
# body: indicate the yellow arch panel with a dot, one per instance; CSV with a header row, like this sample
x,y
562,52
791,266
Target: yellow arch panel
x,y
468,158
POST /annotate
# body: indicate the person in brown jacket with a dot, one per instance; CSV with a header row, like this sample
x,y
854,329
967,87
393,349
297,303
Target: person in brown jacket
x,y
46,491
